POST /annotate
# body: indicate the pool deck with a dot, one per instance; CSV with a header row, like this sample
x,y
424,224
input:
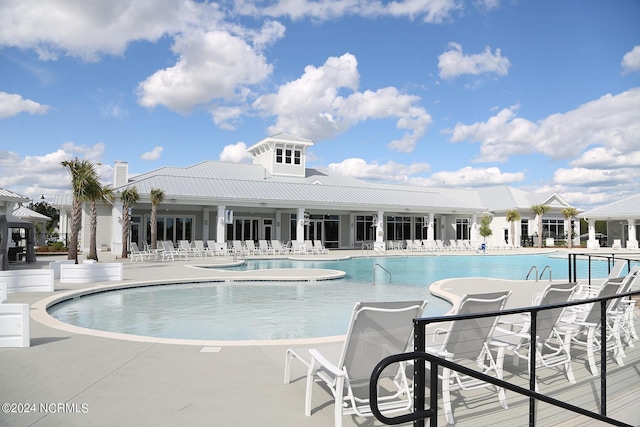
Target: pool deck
x,y
76,379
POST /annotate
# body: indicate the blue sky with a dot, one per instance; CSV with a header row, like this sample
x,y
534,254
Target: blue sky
x,y
539,95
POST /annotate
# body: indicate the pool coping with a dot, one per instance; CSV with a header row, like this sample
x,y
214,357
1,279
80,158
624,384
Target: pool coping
x,y
39,309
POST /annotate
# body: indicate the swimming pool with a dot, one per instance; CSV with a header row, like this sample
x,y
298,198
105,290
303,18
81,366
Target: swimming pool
x,y
290,310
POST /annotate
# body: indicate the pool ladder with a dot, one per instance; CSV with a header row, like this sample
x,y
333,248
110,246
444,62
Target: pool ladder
x,y
374,273
535,268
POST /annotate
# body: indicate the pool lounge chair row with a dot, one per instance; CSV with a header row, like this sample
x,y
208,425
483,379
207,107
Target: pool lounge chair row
x,y
198,248
479,342
275,247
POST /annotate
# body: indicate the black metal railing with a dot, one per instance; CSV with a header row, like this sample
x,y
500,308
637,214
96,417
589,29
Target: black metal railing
x,y
611,259
419,357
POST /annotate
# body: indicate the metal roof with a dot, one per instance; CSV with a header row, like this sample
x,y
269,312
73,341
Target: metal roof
x,y
628,208
238,182
10,196
24,212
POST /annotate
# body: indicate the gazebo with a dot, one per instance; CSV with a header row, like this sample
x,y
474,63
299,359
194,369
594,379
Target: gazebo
x,y
621,218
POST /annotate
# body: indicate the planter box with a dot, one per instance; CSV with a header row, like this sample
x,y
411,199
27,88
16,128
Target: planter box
x,y
91,272
27,280
14,325
55,266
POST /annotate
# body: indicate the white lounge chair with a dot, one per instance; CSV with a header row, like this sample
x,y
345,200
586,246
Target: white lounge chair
x,y
238,248
308,247
265,248
319,248
279,248
251,247
553,342
585,327
466,342
170,252
197,248
376,330
297,248
216,248
137,254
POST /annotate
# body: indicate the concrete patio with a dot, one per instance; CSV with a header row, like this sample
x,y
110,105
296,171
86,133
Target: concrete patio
x,y
73,379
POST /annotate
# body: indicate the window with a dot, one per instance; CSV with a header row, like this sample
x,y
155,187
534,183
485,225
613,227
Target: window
x,y
364,228
172,228
296,157
398,227
287,156
462,229
278,155
553,228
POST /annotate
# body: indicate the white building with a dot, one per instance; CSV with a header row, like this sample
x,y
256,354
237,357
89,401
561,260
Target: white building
x,y
621,218
278,197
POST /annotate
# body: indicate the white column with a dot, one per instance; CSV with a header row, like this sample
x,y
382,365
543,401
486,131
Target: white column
x,y
220,225
474,228
430,230
300,225
205,224
632,242
278,235
116,223
592,243
379,243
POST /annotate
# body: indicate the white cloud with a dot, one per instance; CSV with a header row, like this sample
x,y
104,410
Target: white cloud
x,y
90,28
211,65
14,104
631,60
153,154
35,175
582,177
454,63
602,157
314,107
612,121
431,11
390,171
235,153
470,177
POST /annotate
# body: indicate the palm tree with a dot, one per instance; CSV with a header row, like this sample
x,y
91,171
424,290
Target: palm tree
x,y
157,197
129,197
512,216
83,178
569,213
102,194
540,210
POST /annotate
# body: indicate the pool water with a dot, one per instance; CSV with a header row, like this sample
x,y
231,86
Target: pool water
x,y
290,310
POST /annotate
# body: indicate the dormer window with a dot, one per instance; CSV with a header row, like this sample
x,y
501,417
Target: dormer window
x,y
281,154
288,156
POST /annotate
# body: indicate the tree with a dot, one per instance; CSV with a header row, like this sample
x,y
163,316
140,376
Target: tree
x,y
129,197
569,213
46,209
512,216
540,210
157,197
83,177
102,194
485,229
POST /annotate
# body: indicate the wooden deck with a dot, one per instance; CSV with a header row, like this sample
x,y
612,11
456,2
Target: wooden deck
x,y
481,407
